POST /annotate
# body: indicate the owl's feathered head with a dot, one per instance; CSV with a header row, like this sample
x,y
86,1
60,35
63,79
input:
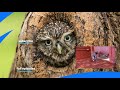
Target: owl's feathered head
x,y
55,41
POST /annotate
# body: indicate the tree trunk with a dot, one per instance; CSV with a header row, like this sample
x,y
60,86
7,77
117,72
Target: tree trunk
x,y
93,29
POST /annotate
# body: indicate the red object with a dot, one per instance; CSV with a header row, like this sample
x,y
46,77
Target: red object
x,y
84,59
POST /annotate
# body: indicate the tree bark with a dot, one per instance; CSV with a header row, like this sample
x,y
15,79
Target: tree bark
x,y
93,29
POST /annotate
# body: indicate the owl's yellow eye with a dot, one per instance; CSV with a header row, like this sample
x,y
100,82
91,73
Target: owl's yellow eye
x,y
48,42
68,38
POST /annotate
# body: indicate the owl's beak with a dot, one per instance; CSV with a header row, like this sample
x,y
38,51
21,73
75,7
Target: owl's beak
x,y
59,48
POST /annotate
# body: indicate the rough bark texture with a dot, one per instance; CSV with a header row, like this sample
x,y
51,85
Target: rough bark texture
x,y
93,28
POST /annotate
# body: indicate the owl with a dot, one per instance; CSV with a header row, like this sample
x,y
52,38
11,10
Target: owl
x,y
55,42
